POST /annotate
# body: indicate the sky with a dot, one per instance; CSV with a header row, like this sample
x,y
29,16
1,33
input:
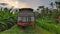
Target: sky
x,y
27,3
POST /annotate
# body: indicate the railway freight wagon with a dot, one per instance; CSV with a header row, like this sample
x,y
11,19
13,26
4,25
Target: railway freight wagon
x,y
26,17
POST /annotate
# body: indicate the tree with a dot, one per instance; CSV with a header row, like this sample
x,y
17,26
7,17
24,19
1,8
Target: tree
x,y
46,11
40,8
52,5
57,5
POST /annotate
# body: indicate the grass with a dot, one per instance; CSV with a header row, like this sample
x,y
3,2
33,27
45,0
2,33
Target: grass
x,y
49,27
17,30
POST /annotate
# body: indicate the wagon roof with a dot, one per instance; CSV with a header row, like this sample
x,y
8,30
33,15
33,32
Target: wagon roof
x,y
26,9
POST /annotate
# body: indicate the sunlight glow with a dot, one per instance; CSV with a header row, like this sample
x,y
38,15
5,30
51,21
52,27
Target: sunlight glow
x,y
16,4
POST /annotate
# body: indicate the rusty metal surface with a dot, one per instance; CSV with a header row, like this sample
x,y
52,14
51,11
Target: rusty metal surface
x,y
21,23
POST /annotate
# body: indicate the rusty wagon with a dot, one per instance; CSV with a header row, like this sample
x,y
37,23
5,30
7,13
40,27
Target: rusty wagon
x,y
26,17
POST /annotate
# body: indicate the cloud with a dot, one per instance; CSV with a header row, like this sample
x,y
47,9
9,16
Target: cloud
x,y
15,3
57,0
27,3
36,3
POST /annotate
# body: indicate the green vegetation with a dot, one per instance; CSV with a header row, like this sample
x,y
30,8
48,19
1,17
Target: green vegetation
x,y
49,27
16,30
48,18
47,22
7,19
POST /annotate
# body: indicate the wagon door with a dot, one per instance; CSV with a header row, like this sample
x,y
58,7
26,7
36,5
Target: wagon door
x,y
29,19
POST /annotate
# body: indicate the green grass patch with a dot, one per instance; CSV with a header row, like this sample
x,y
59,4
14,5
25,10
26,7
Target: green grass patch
x,y
16,30
49,27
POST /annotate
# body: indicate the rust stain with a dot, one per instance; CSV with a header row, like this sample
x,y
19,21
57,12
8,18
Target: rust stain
x,y
21,23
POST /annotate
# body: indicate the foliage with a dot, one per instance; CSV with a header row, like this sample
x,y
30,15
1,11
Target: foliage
x,y
7,18
49,27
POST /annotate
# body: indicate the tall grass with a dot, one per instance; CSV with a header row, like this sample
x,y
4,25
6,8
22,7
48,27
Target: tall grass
x,y
49,27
